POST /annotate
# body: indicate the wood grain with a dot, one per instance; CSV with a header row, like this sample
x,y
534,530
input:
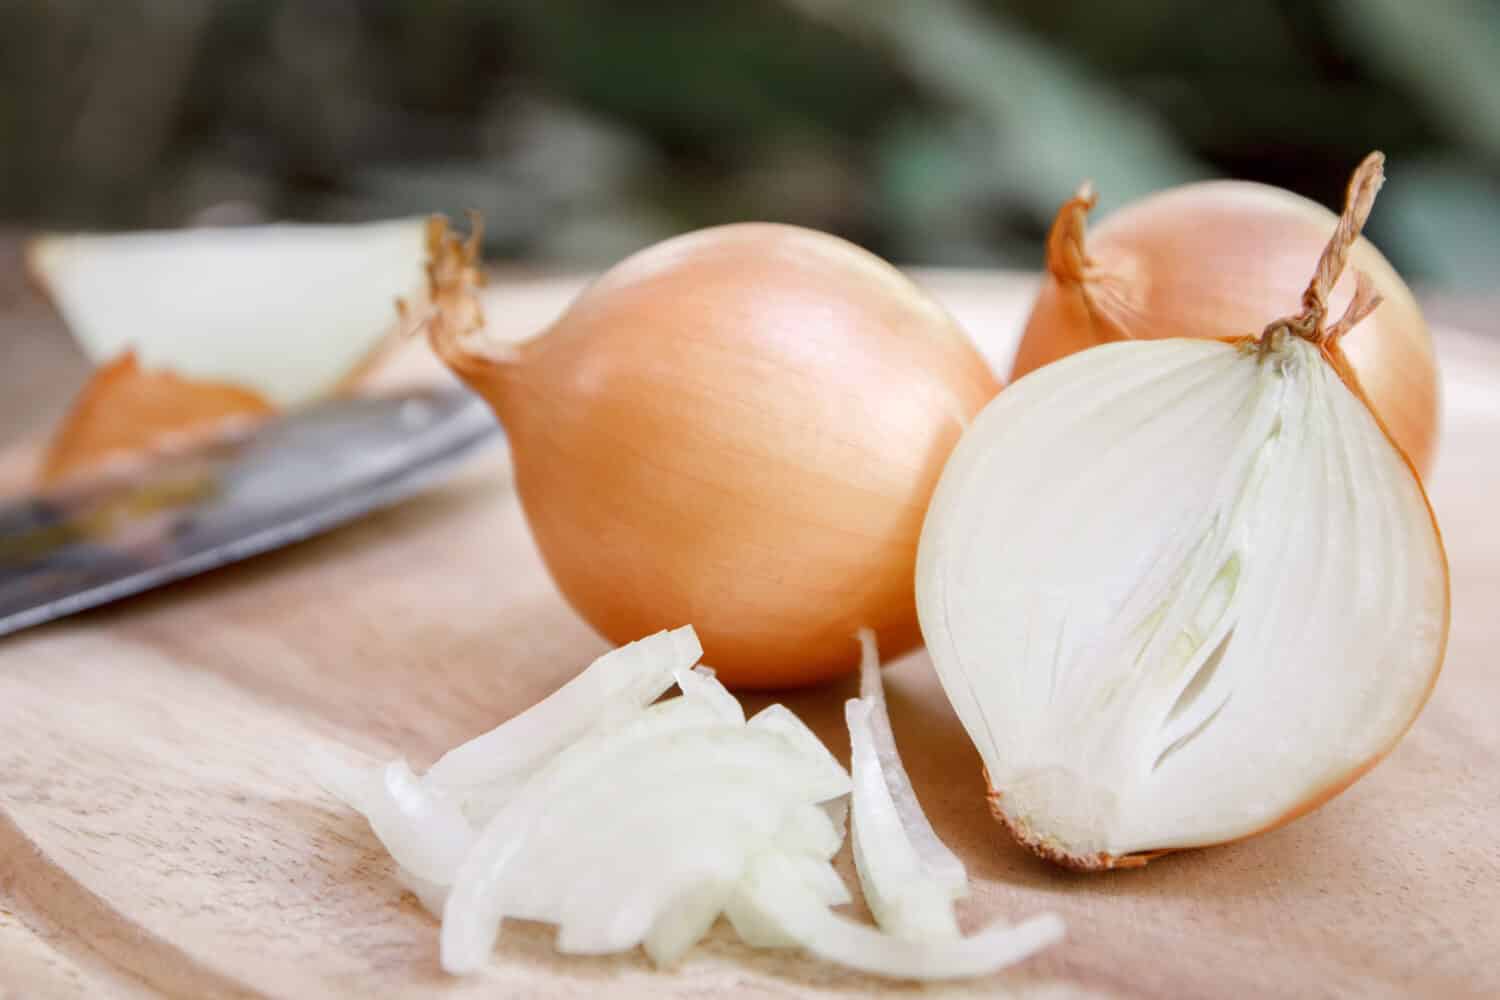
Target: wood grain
x,y
158,836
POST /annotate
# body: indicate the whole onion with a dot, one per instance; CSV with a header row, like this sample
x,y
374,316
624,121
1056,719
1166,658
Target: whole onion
x,y
739,428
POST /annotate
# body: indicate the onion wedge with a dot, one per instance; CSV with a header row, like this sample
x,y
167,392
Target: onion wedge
x,y
288,312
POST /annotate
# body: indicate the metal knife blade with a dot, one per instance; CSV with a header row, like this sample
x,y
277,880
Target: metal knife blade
x,y
292,478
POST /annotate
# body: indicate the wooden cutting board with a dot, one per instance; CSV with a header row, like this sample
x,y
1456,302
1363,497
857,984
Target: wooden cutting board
x,y
158,836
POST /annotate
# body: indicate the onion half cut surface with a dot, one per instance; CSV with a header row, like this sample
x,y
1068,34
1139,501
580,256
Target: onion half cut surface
x,y
1179,592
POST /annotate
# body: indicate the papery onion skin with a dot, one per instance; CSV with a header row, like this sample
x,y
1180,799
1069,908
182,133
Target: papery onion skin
x,y
741,428
125,415
1213,260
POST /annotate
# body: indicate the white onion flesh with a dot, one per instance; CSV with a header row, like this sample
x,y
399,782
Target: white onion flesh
x,y
636,673
427,835
902,897
938,861
645,825
432,895
1177,593
782,908
700,685
289,311
685,920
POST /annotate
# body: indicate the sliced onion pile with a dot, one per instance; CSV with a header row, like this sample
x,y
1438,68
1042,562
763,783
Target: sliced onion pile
x,y
627,821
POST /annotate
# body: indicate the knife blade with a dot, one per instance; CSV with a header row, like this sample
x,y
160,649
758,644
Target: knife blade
x,y
290,479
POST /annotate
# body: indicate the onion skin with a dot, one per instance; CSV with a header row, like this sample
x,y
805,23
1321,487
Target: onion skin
x,y
741,428
126,415
1219,260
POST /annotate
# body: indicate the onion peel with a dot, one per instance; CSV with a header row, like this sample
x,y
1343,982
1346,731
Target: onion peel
x,y
125,415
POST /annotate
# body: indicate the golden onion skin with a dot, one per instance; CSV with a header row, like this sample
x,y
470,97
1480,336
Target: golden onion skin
x,y
740,429
1221,259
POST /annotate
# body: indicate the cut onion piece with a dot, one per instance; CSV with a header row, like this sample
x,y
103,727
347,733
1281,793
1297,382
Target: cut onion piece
x,y
776,905
632,809
938,861
287,311
783,721
426,834
811,831
699,684
904,899
621,724
1230,603
821,877
685,920
636,673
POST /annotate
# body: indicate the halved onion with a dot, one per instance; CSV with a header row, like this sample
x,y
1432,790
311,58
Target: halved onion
x,y
1179,592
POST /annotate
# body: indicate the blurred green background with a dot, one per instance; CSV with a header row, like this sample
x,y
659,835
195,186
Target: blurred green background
x,y
936,133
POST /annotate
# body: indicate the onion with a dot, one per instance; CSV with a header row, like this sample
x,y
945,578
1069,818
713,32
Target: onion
x,y
938,863
426,834
741,428
909,876
198,332
903,898
1183,591
779,908
634,674
125,411
1217,259
647,823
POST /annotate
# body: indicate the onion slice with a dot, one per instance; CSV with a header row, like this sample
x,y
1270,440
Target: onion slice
x,y
903,898
287,311
659,810
426,834
778,906
636,673
938,861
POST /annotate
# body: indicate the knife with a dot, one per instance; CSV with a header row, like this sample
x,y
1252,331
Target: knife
x,y
290,479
